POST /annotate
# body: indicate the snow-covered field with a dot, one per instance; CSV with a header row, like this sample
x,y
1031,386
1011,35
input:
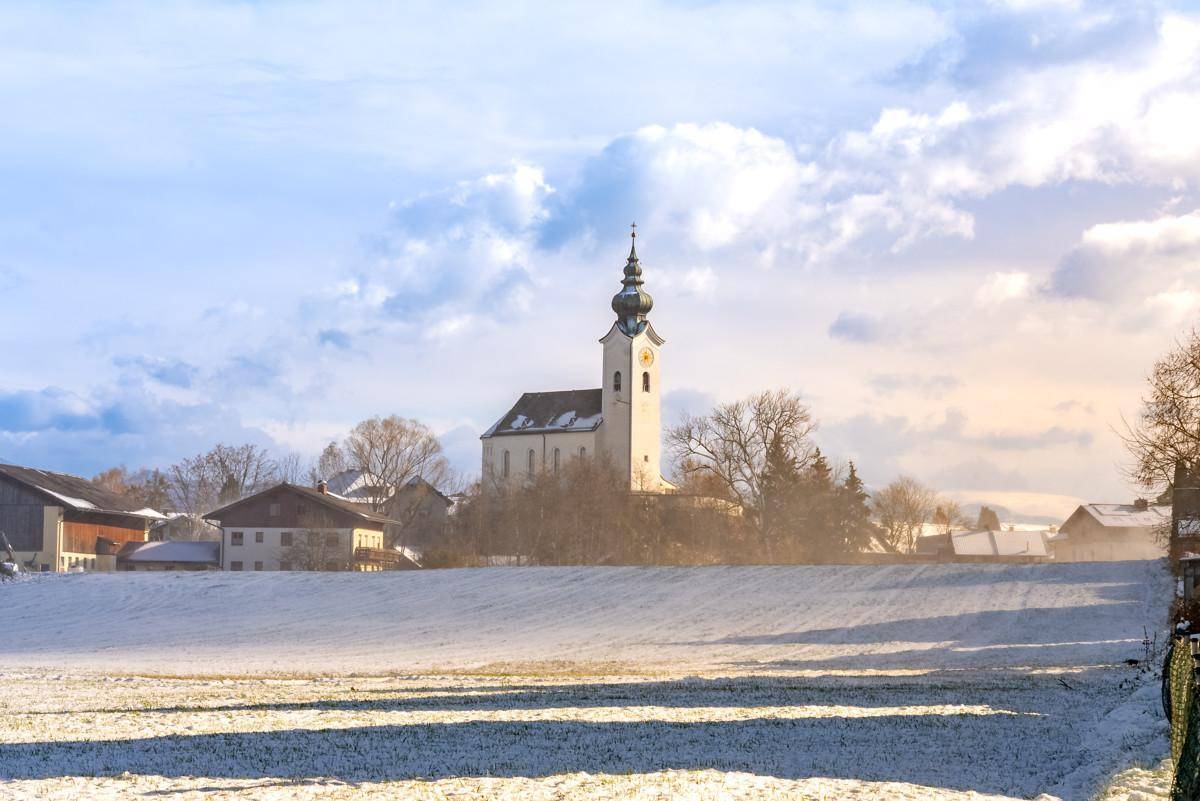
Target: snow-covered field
x,y
930,681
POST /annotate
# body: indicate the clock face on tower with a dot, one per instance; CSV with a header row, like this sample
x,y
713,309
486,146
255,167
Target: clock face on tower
x,y
646,357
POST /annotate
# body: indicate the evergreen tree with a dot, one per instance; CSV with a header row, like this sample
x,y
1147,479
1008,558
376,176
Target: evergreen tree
x,y
988,519
819,502
780,487
853,514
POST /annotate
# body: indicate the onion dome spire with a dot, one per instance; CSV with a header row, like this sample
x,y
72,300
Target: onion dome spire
x,y
632,303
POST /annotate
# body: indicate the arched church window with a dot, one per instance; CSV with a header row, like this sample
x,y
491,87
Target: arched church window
x,y
530,468
582,451
504,465
556,460
617,381
645,382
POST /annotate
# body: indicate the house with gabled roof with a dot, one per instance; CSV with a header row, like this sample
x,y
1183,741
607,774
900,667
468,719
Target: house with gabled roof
x,y
58,522
290,527
620,421
1111,532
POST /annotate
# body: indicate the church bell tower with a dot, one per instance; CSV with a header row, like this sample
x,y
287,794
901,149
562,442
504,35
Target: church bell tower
x,y
631,386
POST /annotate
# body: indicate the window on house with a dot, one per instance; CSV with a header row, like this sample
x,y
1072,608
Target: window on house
x,y
314,538
285,539
646,458
285,564
235,565
530,466
645,382
258,565
301,510
504,465
237,537
273,510
331,538
258,536
617,381
582,451
556,457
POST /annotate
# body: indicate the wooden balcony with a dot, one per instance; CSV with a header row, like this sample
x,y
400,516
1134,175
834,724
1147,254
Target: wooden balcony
x,y
384,558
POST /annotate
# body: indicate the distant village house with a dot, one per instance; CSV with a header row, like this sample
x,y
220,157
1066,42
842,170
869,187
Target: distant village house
x,y
1112,532
986,546
58,522
289,527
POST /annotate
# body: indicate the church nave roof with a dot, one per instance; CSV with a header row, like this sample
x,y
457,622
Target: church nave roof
x,y
549,412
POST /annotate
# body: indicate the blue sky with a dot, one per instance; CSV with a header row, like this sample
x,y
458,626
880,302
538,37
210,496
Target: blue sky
x,y
963,231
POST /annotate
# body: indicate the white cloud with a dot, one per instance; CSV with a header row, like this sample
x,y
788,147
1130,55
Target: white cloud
x,y
1003,286
1130,261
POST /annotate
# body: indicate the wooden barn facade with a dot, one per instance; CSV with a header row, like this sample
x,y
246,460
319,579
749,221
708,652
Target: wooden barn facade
x,y
58,522
288,527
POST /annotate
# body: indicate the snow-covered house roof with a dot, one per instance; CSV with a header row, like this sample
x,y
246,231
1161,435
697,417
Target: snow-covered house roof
x,y
1126,515
337,503
358,486
176,520
548,412
194,551
74,492
999,543
985,543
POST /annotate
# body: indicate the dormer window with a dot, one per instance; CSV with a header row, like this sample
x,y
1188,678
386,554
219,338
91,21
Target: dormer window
x,y
617,381
645,382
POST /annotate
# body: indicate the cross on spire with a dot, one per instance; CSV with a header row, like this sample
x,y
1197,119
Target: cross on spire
x,y
632,303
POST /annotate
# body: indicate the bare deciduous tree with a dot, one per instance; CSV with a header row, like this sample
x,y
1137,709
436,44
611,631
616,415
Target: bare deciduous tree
x,y
1168,427
331,462
902,509
226,473
391,451
949,516
292,469
734,442
242,469
147,489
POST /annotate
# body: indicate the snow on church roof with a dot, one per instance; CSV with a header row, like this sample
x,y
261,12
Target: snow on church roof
x,y
548,412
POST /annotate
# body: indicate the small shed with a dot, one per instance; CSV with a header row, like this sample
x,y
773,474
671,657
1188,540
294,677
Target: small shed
x,y
169,555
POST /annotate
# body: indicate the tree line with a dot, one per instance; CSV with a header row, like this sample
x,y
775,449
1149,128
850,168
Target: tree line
x,y
750,486
390,451
750,483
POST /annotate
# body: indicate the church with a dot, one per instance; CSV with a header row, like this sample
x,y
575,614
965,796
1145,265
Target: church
x,y
621,421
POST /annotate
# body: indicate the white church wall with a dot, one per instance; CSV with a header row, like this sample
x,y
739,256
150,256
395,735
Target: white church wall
x,y
518,447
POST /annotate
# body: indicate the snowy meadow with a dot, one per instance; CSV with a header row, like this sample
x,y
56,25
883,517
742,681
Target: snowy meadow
x,y
926,681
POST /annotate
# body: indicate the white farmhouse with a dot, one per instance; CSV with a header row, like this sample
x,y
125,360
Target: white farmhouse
x,y
621,421
1110,532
